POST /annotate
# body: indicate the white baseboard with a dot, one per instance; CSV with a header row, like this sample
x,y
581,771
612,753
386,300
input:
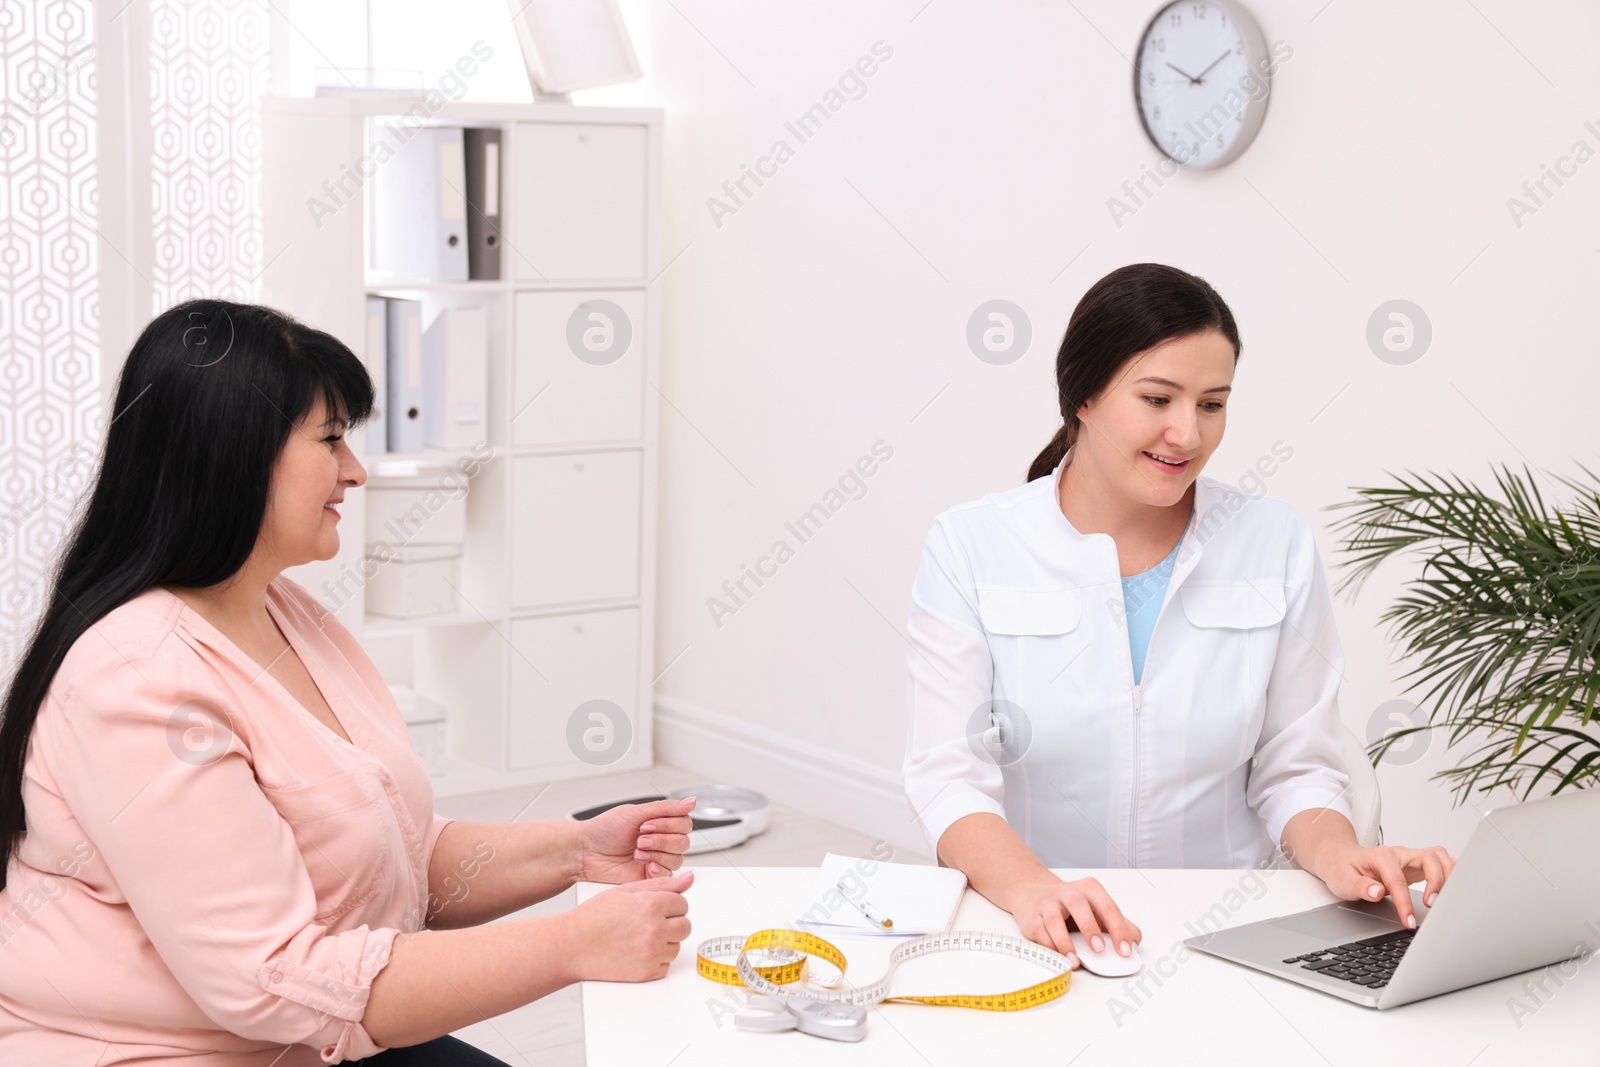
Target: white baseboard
x,y
795,773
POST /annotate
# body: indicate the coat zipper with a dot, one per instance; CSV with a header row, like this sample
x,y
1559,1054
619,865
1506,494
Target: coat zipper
x,y
1133,808
1138,707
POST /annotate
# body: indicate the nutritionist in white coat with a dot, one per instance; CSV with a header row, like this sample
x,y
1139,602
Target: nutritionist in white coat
x,y
1124,664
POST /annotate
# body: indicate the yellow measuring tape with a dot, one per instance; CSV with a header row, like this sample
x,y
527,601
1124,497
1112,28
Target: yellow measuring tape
x,y
782,979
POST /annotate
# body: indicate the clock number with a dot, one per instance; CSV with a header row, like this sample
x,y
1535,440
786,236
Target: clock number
x,y
1160,44
1219,141
1199,11
1156,116
1177,19
1150,78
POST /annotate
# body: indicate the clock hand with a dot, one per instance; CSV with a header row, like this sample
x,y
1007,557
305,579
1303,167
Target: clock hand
x,y
1214,62
1192,79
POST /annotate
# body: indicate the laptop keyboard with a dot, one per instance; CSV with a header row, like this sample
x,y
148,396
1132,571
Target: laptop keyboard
x,y
1369,962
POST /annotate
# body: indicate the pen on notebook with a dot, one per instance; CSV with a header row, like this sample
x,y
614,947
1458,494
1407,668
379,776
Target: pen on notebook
x,y
864,908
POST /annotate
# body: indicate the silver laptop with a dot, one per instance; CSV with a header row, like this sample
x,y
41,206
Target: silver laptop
x,y
1524,894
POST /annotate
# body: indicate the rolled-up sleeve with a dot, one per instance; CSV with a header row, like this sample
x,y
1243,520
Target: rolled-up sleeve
x,y
207,865
432,841
1299,757
951,677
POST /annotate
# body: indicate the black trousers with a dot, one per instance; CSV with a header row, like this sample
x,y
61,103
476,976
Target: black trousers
x,y
440,1052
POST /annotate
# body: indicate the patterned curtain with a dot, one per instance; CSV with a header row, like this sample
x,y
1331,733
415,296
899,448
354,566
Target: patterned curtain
x,y
207,68
50,405
208,71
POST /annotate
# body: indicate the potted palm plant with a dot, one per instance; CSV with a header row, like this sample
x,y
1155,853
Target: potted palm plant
x,y
1502,623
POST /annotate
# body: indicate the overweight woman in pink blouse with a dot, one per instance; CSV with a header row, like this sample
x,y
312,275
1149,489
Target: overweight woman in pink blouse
x,y
221,847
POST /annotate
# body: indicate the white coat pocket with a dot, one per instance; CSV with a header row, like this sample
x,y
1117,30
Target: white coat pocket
x,y
1231,643
1034,638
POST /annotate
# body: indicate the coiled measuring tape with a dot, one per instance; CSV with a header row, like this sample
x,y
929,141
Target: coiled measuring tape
x,y
791,1004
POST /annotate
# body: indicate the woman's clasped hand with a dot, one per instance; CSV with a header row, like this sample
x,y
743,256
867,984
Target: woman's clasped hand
x,y
633,933
633,841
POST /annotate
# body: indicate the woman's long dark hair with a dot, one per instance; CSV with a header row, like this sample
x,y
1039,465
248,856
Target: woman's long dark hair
x,y
1131,310
207,398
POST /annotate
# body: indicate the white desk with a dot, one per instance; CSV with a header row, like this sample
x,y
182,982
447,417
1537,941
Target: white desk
x,y
1182,1008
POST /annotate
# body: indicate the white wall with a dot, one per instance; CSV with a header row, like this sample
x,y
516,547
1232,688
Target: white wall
x,y
831,307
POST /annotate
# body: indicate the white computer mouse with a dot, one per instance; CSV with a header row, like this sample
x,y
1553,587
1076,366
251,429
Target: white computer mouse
x,y
1107,964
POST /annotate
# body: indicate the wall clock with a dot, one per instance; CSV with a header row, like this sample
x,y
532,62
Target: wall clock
x,y
1201,80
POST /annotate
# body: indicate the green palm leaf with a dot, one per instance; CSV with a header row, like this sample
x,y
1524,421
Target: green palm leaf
x,y
1502,624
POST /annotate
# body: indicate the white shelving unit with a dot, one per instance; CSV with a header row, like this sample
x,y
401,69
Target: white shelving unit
x,y
558,568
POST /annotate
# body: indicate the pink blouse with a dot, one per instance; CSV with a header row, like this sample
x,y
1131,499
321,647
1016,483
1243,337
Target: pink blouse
x,y
211,877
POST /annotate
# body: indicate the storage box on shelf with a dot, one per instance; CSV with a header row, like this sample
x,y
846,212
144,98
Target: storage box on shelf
x,y
425,722
544,665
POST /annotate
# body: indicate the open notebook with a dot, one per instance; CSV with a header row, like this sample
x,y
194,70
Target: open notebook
x,y
919,899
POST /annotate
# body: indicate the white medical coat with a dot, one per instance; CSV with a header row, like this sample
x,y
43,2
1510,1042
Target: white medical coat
x,y
1234,730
